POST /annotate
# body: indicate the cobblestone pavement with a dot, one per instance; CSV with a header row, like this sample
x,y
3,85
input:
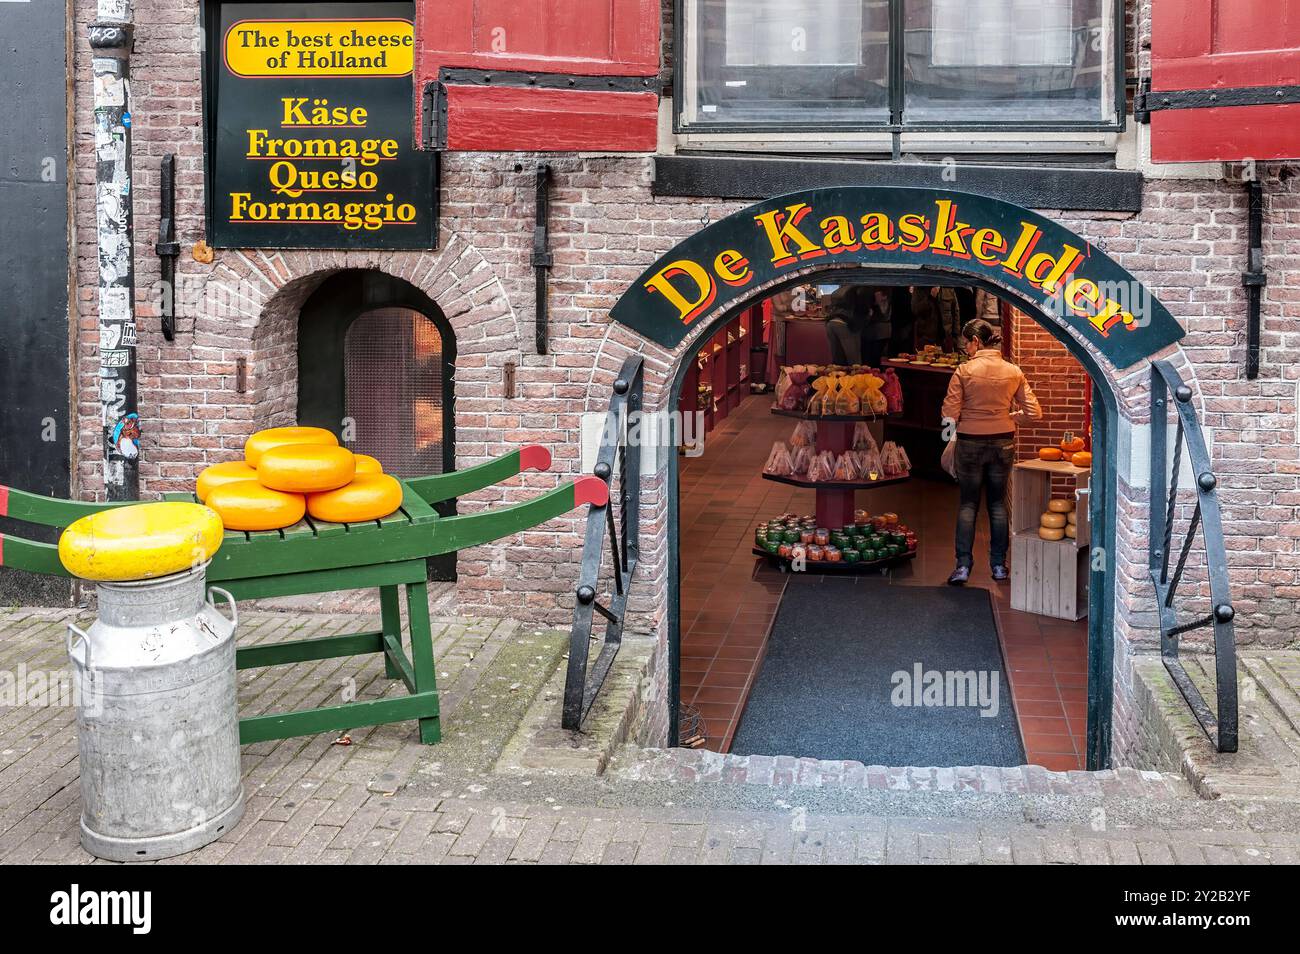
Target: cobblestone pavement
x,y
385,799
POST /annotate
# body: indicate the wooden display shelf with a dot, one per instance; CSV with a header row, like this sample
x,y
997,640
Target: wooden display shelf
x,y
833,566
909,366
837,484
832,418
1048,577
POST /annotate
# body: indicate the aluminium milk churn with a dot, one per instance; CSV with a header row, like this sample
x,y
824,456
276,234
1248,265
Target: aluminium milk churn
x,y
157,719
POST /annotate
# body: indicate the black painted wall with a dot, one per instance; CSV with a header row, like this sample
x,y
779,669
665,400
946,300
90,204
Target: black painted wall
x,y
34,385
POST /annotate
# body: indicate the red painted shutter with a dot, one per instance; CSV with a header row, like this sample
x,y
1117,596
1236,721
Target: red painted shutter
x,y
1224,44
549,75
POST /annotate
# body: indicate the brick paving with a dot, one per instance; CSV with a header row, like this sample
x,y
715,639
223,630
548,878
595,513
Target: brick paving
x,y
383,799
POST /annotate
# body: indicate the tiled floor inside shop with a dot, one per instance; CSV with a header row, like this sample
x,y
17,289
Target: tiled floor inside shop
x,y
730,597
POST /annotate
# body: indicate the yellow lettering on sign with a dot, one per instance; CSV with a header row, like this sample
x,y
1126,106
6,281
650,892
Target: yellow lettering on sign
x,y
701,296
268,48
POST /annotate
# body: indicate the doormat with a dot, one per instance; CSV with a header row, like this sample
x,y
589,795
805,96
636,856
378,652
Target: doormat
x,y
884,675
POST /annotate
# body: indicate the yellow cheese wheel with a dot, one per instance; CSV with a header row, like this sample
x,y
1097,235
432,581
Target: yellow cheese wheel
x,y
1060,505
305,468
247,505
1081,459
1053,521
259,443
219,474
1070,531
1072,518
141,541
368,497
368,465
1050,453
1050,533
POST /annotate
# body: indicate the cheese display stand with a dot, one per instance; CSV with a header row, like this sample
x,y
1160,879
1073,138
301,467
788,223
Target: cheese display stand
x,y
1049,567
316,555
835,498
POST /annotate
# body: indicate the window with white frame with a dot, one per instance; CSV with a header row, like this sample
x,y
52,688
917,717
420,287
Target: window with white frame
x,y
910,64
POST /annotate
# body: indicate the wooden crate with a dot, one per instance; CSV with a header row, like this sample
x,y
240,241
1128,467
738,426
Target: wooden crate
x,y
1048,577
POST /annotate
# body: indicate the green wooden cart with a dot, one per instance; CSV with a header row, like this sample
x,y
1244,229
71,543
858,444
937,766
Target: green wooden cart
x,y
317,557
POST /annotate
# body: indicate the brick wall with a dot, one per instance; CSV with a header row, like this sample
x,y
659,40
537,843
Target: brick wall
x,y
1059,381
1187,244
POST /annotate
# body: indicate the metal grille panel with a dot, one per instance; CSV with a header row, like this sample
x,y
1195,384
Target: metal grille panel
x,y
393,378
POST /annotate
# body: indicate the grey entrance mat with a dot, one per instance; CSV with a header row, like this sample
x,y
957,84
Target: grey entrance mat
x,y
840,679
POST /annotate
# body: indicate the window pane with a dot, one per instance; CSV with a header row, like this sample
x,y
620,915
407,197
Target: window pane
x,y
1008,61
786,61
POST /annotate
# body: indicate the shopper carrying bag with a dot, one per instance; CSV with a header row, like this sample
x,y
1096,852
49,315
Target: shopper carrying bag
x,y
987,396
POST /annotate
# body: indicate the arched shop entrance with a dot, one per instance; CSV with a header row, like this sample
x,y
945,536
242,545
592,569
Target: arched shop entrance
x,y
376,363
1102,315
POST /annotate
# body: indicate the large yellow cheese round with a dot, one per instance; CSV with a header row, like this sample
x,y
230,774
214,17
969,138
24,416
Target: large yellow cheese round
x,y
262,441
305,468
1048,533
1072,518
1071,531
140,542
1053,521
1060,505
368,497
219,474
247,505
368,465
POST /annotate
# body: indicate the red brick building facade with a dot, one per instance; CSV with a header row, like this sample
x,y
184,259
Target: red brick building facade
x,y
1187,245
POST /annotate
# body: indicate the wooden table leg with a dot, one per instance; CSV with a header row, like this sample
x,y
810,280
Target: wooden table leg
x,y
417,610
390,607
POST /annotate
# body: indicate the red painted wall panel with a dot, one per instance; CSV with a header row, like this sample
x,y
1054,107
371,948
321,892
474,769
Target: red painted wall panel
x,y
575,37
486,120
1208,44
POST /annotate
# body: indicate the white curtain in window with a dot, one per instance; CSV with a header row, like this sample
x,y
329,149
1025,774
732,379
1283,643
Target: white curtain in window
x,y
794,32
1002,33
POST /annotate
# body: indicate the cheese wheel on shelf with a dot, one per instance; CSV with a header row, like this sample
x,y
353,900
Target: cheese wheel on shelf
x,y
1081,459
1060,505
140,541
1070,531
262,441
1053,521
1072,518
306,468
368,497
247,505
218,474
1050,533
1050,453
367,464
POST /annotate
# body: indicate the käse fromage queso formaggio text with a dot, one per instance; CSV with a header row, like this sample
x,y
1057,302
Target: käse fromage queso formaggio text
x,y
296,171
796,235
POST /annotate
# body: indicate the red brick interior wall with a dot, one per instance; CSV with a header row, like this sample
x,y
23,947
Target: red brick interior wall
x,y
1059,382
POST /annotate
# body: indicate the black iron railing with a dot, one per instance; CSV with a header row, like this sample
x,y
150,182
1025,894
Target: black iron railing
x,y
620,453
1220,726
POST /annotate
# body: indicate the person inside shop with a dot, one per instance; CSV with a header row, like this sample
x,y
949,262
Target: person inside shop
x,y
937,318
880,327
846,322
986,399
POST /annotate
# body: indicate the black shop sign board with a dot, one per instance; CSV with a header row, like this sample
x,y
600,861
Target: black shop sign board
x,y
310,135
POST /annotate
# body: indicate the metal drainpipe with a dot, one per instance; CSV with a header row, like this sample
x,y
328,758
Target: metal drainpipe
x,y
1254,278
110,43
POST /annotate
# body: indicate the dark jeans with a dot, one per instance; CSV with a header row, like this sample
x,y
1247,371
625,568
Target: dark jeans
x,y
983,465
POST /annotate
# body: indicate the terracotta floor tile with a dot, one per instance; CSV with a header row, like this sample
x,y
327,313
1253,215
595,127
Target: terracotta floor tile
x,y
730,597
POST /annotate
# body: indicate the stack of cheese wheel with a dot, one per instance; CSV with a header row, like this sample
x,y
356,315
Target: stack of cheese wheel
x,y
291,471
1057,522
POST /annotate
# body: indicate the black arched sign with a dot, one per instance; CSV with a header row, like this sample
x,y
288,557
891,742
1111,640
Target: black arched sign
x,y
993,241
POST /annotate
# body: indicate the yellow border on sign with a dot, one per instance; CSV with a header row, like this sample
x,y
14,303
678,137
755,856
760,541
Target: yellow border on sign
x,y
403,67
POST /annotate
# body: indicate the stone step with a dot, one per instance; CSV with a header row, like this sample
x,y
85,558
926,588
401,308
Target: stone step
x,y
699,765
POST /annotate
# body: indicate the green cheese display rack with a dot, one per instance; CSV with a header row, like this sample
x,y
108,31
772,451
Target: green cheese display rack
x,y
317,557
